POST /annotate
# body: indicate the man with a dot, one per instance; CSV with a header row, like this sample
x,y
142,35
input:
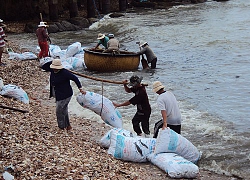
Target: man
x,y
141,100
42,35
151,57
2,43
102,40
167,103
113,44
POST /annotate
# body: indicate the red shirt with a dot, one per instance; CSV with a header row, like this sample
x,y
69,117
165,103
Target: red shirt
x,y
42,34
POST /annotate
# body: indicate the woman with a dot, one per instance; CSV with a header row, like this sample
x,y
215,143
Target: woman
x,y
61,89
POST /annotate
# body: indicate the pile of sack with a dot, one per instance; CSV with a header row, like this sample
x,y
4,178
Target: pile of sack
x,y
170,151
72,58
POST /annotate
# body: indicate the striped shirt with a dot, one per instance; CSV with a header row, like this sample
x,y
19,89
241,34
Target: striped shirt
x,y
2,44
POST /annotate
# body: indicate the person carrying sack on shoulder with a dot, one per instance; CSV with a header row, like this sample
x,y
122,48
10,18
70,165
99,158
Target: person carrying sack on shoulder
x,y
2,41
43,37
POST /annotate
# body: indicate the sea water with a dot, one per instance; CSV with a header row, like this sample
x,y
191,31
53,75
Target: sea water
x,y
203,58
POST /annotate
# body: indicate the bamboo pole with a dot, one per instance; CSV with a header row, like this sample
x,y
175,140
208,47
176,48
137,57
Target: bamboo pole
x,y
99,79
96,79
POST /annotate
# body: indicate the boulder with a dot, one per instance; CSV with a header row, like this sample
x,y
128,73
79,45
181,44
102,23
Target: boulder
x,y
80,21
68,26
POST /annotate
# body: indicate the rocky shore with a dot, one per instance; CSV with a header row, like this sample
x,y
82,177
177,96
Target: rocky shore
x,y
34,146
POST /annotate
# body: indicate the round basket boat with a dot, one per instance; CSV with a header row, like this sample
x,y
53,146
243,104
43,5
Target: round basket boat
x,y
107,62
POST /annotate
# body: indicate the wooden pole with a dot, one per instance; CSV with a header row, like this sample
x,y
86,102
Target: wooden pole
x,y
14,109
41,17
99,79
94,78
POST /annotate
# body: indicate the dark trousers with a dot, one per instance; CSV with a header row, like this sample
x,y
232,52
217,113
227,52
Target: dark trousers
x,y
159,124
62,113
153,63
144,120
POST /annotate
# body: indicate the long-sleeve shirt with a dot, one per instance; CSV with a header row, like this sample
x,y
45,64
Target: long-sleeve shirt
x,y
60,82
42,34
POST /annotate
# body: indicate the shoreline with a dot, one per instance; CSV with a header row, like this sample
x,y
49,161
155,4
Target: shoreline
x,y
37,149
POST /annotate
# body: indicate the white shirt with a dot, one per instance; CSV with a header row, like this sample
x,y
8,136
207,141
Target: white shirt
x,y
167,101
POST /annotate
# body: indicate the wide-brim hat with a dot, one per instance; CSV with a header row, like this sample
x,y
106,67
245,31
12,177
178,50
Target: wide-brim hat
x,y
100,36
143,44
56,64
1,20
157,85
134,80
42,24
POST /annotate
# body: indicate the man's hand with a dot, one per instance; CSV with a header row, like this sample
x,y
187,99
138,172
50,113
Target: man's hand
x,y
164,126
49,40
125,82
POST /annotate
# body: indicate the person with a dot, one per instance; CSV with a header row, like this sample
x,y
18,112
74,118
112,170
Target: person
x,y
102,40
113,44
43,37
2,41
141,100
167,103
61,89
150,55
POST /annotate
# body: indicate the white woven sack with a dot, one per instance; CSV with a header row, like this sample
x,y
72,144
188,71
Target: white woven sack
x,y
45,60
76,63
15,92
170,141
101,106
175,165
54,50
133,149
105,140
1,84
73,49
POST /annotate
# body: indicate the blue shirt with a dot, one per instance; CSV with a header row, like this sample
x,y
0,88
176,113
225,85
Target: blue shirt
x,y
60,81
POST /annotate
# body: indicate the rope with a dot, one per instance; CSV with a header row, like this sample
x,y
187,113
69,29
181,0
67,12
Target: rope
x,y
102,100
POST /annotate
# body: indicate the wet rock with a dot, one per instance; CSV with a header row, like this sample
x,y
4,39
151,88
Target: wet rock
x,y
80,22
53,28
68,26
114,15
30,28
60,27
